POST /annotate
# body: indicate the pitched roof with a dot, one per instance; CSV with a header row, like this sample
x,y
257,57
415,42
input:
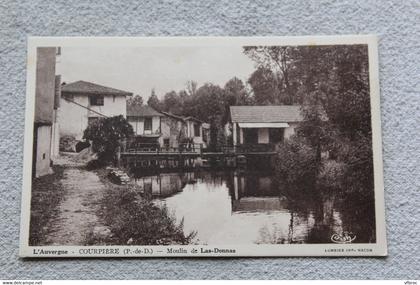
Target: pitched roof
x,y
182,118
142,111
84,87
265,114
179,118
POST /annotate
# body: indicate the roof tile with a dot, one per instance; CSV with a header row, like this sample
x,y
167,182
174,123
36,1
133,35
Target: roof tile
x,y
84,87
266,114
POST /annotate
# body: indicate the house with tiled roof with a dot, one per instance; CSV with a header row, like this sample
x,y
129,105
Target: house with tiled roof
x,y
145,120
168,130
83,102
264,124
197,131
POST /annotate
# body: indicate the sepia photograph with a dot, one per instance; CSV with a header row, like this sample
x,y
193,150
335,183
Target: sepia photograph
x,y
266,146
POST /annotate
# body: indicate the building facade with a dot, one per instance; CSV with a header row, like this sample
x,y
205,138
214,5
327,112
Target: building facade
x,y
146,123
46,105
83,102
263,124
166,129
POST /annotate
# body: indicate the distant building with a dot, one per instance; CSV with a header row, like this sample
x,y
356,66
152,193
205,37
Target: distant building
x,y
146,123
174,130
83,102
194,129
166,129
46,105
263,124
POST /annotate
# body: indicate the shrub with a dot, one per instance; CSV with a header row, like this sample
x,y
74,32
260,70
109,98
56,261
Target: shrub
x,y
137,221
331,175
296,165
105,135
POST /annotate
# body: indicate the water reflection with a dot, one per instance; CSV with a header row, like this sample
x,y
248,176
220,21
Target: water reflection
x,y
249,207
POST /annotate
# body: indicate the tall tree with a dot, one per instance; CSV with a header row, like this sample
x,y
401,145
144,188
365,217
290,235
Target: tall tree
x,y
234,94
172,103
279,60
154,101
264,86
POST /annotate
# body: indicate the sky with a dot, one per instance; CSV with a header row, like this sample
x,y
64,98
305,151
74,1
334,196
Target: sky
x,y
139,69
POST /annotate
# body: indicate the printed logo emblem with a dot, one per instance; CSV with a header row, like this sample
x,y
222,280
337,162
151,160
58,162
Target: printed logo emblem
x,y
345,237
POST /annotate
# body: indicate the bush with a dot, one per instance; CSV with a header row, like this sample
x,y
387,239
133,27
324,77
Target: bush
x,y
296,165
105,135
359,166
331,176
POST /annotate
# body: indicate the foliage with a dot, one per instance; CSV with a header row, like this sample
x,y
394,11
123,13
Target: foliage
x,y
135,220
153,101
357,156
172,103
105,135
331,83
264,86
46,195
331,175
136,100
295,165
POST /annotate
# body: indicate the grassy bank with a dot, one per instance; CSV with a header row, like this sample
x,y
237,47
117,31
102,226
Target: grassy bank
x,y
133,218
47,192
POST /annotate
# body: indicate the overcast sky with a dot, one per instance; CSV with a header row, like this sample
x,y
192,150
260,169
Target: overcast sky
x,y
140,69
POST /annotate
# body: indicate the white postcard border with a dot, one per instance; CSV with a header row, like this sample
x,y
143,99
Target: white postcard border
x,y
376,249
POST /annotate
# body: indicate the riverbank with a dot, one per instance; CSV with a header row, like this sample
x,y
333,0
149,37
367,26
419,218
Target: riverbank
x,y
134,219
77,206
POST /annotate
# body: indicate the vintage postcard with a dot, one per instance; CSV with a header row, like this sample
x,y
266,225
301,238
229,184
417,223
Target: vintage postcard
x,y
203,147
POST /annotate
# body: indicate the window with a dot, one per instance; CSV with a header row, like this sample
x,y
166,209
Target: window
x,y
196,130
97,100
148,124
92,120
205,136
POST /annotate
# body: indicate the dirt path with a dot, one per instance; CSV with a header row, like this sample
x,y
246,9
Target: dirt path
x,y
77,213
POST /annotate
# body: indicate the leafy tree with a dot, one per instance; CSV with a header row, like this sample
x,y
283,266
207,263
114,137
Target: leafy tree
x,y
154,101
136,100
192,87
105,134
172,103
235,94
264,86
331,83
279,60
295,165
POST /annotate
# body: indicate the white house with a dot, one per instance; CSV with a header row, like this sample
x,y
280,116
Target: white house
x,y
83,102
145,120
263,124
165,129
195,129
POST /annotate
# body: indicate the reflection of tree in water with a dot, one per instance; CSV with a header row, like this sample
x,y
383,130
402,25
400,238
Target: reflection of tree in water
x,y
315,215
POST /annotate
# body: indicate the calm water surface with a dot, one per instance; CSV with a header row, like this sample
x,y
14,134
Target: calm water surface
x,y
248,207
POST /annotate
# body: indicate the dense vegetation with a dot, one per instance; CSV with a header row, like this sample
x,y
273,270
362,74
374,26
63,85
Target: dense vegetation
x,y
331,83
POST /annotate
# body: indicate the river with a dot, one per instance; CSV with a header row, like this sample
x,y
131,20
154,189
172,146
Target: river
x,y
234,207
